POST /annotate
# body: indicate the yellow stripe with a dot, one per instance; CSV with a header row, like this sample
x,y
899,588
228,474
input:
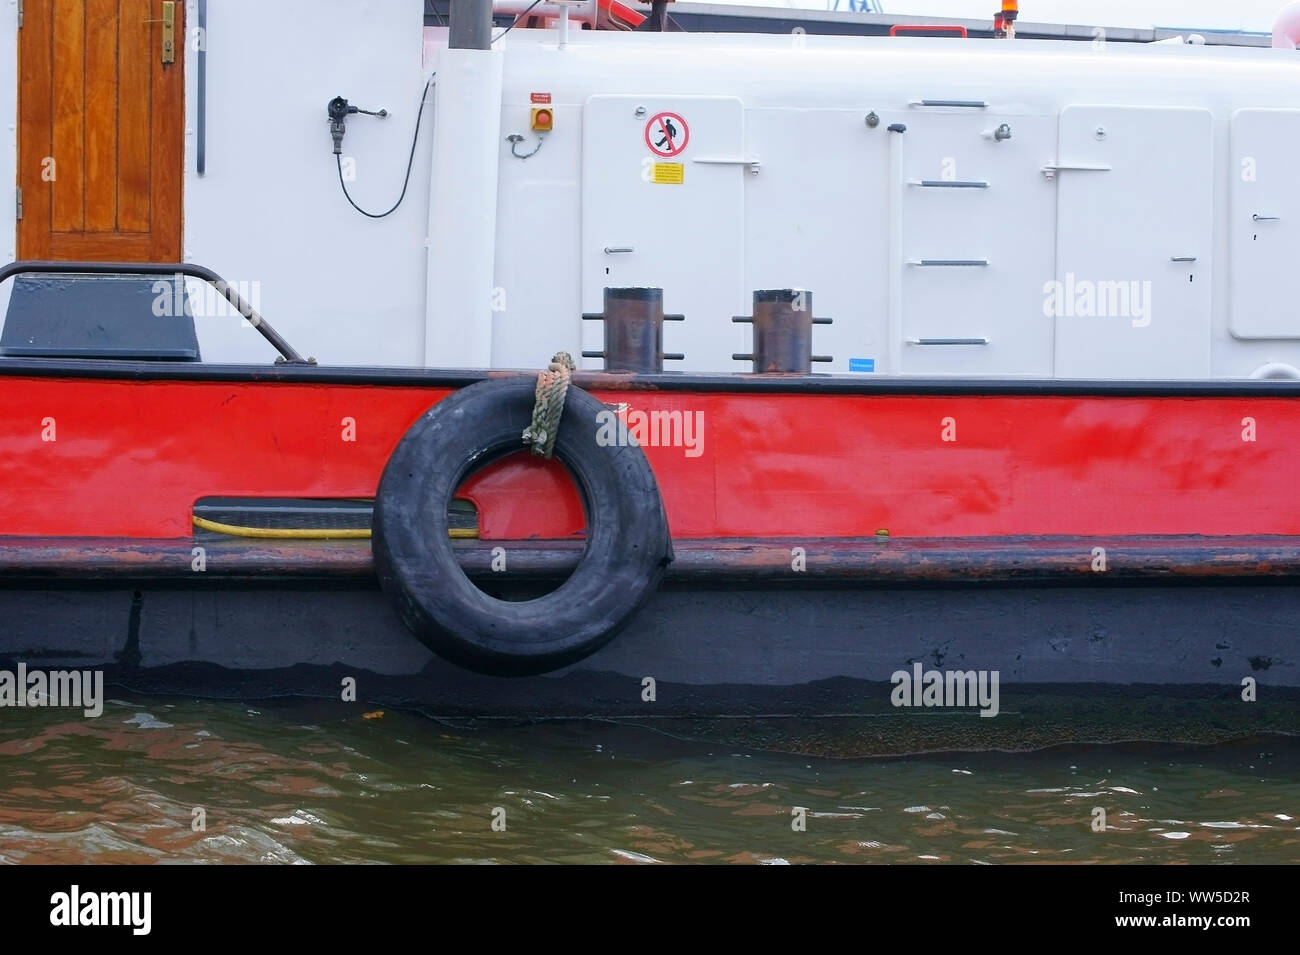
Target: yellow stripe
x,y
309,533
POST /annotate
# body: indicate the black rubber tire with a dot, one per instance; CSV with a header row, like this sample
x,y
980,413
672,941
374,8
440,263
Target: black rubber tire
x,y
627,548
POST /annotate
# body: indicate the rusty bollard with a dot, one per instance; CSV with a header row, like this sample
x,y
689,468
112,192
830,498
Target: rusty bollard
x,y
634,330
783,321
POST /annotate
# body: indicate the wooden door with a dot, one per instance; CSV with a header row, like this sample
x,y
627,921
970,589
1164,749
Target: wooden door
x,y
101,147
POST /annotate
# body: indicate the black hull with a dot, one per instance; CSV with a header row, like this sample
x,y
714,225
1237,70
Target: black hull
x,y
804,670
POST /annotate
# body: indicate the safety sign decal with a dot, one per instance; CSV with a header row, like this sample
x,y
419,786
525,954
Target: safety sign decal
x,y
666,134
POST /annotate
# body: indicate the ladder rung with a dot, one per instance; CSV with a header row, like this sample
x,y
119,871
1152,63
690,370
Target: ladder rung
x,y
954,103
949,183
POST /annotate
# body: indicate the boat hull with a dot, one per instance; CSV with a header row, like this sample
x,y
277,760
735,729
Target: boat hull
x,y
1120,557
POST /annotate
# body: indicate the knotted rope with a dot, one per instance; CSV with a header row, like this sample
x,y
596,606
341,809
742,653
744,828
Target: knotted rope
x,y
552,385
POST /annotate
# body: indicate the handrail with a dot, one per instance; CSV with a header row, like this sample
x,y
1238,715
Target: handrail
x,y
287,352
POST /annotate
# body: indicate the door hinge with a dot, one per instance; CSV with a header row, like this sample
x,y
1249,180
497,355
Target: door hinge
x,y
19,203
20,14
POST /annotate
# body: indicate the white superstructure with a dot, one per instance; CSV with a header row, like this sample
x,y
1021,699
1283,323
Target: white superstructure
x,y
1067,209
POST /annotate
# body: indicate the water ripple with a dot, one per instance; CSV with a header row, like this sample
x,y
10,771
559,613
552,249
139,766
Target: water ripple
x,y
156,781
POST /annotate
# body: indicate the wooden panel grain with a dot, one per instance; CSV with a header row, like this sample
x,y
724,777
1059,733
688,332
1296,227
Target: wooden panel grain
x,y
99,247
68,148
136,56
167,122
35,109
95,97
101,117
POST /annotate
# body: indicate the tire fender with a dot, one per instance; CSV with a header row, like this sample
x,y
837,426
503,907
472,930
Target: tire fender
x,y
627,543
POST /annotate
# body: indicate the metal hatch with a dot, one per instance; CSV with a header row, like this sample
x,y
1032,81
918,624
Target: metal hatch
x,y
1135,202
663,205
1263,224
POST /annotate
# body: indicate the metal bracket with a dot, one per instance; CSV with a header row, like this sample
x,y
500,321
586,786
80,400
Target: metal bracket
x,y
751,164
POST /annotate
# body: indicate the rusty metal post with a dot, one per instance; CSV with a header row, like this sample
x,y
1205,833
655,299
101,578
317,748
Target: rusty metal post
x,y
782,342
634,331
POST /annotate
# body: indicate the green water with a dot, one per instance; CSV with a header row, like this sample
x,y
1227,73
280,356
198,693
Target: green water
x,y
319,783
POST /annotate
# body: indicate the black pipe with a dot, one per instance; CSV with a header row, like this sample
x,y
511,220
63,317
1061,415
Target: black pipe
x,y
161,268
201,121
470,25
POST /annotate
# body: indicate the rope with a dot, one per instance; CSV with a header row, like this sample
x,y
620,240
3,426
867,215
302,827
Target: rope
x,y
552,386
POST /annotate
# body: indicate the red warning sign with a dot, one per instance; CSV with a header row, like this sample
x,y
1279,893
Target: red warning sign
x,y
667,134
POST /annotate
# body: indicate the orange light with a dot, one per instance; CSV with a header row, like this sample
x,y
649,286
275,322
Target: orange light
x,y
543,120
1010,6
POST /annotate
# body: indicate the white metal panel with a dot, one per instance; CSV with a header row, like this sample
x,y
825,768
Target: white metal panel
x,y
1134,243
966,196
343,288
463,210
530,284
1264,224
687,238
814,220
8,157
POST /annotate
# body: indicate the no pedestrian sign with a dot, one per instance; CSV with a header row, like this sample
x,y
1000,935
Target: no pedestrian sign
x,y
666,134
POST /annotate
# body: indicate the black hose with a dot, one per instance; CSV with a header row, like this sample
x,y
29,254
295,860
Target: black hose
x,y
410,163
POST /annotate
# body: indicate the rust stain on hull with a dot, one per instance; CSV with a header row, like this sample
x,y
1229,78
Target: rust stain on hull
x,y
732,562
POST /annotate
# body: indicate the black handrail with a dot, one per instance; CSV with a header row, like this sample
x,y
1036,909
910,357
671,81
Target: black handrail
x,y
170,269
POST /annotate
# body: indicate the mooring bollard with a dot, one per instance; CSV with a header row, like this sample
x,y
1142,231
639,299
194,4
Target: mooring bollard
x,y
634,330
783,321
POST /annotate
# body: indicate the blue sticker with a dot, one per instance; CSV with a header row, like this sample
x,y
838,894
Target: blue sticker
x,y
862,364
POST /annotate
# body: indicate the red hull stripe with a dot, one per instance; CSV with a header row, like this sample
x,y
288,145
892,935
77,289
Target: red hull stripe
x,y
110,458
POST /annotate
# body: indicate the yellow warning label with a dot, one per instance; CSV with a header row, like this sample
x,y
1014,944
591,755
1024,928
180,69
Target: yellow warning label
x,y
671,173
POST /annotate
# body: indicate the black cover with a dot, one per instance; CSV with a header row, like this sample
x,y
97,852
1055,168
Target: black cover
x,y
99,316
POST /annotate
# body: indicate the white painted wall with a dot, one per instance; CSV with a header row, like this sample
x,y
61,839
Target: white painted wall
x,y
816,213
341,287
8,140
